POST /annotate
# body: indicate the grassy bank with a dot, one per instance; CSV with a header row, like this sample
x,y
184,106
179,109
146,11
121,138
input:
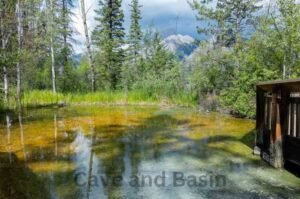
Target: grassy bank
x,y
45,98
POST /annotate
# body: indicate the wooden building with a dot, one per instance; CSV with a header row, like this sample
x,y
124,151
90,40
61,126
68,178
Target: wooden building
x,y
278,122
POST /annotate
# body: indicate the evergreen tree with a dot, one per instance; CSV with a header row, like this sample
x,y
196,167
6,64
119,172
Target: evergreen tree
x,y
109,37
283,35
226,21
65,38
160,75
66,30
131,69
135,34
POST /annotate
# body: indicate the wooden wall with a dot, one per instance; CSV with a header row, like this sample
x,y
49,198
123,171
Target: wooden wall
x,y
278,125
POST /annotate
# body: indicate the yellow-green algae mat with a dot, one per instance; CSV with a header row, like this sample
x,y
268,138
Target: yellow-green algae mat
x,y
133,152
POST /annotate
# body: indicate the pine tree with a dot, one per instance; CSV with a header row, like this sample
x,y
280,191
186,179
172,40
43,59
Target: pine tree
x,y
228,20
65,31
109,37
135,34
36,45
160,74
131,69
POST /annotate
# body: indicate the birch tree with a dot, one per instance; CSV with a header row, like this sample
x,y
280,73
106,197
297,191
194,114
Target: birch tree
x,y
51,29
19,45
4,41
88,45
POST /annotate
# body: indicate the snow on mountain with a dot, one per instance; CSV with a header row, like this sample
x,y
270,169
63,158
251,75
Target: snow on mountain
x,y
181,45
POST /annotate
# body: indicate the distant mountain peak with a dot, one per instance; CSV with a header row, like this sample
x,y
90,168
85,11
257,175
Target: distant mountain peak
x,y
182,45
181,39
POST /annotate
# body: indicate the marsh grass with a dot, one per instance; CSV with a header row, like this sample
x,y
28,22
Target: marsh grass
x,y
39,98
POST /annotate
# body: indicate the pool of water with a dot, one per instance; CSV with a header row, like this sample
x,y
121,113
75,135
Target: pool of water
x,y
97,152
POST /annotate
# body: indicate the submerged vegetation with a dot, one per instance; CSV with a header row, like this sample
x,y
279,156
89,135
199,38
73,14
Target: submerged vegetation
x,y
50,148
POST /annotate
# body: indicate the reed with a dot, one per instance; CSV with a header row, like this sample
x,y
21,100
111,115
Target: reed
x,y
38,98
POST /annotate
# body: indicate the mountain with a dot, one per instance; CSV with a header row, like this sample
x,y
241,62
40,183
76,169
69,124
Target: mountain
x,y
76,58
181,45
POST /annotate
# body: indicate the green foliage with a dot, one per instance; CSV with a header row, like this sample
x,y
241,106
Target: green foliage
x,y
39,98
281,37
131,70
160,73
226,20
135,33
231,72
240,97
109,38
212,69
271,54
221,75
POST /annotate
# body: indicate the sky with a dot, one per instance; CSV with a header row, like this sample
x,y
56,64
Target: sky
x,y
168,16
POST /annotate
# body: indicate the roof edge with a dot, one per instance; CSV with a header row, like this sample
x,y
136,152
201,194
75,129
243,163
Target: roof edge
x,y
278,82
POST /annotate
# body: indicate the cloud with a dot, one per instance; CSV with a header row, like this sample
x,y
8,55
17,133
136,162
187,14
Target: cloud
x,y
169,16
169,6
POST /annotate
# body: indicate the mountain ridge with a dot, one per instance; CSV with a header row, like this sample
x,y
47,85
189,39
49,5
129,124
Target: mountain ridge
x,y
181,45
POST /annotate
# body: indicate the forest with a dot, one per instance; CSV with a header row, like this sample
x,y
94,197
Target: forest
x,y
245,42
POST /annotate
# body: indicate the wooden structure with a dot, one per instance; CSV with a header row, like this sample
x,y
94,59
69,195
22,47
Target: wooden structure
x,y
278,122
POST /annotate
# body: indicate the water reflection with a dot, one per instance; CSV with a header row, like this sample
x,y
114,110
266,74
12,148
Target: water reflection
x,y
55,134
8,124
22,134
77,153
18,181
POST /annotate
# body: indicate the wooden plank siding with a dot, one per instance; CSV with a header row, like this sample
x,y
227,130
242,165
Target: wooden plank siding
x,y
297,117
278,121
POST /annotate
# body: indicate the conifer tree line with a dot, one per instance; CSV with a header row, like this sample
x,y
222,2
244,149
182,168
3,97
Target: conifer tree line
x,y
37,54
246,41
36,38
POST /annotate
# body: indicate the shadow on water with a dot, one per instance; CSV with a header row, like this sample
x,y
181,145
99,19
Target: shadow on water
x,y
156,138
294,169
18,181
158,142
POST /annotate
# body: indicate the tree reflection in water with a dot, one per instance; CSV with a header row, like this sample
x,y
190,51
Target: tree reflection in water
x,y
41,156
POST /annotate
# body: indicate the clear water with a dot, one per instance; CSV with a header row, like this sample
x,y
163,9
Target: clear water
x,y
133,152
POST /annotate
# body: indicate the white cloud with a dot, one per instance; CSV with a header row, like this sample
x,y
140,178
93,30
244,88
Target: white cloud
x,y
162,12
166,6
151,9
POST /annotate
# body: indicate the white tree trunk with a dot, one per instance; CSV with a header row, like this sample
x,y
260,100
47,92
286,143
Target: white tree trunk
x,y
8,124
88,45
52,48
55,135
22,135
19,37
5,84
5,78
284,68
53,66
